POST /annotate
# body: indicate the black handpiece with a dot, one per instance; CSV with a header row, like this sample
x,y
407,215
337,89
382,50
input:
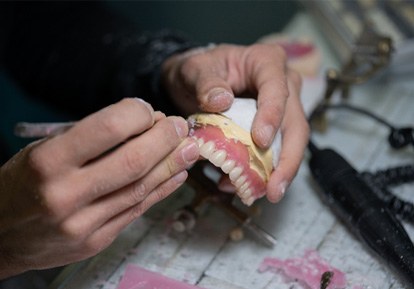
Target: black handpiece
x,y
357,205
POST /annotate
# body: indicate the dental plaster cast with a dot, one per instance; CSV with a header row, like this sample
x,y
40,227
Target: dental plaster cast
x,y
225,140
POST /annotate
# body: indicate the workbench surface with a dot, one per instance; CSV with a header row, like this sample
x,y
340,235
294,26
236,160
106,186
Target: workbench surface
x,y
301,221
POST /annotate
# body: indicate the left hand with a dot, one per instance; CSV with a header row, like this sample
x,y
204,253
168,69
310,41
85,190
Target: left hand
x,y
207,79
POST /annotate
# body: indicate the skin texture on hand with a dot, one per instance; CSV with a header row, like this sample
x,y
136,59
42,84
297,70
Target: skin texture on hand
x,y
66,198
207,80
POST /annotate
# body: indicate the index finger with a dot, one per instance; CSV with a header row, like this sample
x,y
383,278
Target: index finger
x,y
101,131
269,78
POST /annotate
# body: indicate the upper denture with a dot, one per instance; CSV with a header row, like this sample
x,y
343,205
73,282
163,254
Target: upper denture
x,y
230,147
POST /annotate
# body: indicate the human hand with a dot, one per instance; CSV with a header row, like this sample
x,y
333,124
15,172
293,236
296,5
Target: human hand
x,y
207,79
66,198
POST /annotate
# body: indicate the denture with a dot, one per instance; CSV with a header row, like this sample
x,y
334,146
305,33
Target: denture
x,y
225,140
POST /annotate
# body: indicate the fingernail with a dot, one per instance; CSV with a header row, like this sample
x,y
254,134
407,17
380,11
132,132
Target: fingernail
x,y
278,194
190,153
266,135
159,115
282,189
181,127
144,102
218,96
180,177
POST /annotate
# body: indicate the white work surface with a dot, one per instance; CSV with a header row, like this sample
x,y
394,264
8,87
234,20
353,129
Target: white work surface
x,y
208,258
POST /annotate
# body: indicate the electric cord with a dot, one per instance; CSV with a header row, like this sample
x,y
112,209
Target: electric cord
x,y
398,137
381,181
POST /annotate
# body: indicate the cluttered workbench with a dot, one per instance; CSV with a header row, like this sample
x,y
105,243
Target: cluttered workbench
x,y
219,253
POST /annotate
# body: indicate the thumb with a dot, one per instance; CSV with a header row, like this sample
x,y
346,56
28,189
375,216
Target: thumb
x,y
214,94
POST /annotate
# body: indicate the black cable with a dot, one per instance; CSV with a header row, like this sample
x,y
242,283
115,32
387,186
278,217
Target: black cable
x,y
381,181
312,147
397,138
324,107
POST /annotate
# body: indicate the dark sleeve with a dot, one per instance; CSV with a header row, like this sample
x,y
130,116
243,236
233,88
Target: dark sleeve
x,y
80,56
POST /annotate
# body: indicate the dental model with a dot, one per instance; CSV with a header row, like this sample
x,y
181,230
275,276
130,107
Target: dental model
x,y
225,140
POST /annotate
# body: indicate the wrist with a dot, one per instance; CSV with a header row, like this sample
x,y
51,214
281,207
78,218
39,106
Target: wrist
x,y
173,82
8,267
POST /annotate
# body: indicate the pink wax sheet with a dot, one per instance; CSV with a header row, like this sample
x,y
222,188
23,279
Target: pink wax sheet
x,y
138,278
308,269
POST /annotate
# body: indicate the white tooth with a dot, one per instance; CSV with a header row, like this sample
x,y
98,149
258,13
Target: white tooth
x,y
245,194
235,173
207,149
228,166
248,201
244,187
240,181
200,142
218,158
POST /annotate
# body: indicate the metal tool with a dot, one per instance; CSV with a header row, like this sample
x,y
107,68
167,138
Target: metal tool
x,y
371,54
207,192
41,129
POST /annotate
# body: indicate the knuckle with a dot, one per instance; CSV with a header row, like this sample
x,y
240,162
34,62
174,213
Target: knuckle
x,y
94,245
274,51
279,109
273,106
138,192
111,124
52,202
118,120
283,88
156,196
160,194
134,103
38,161
164,190
138,210
133,162
283,93
73,232
145,109
191,64
279,52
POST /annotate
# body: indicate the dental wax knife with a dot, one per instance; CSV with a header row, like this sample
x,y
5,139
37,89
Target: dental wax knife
x,y
41,129
359,207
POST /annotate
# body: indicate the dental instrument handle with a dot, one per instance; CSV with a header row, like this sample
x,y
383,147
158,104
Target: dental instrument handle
x,y
360,208
41,129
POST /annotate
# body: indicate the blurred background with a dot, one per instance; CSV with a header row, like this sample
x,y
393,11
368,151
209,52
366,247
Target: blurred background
x,y
239,22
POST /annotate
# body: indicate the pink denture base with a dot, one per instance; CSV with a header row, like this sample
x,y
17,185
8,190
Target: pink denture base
x,y
236,151
136,277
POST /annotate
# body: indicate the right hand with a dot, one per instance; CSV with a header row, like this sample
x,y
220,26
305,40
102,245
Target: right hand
x,y
208,79
66,198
